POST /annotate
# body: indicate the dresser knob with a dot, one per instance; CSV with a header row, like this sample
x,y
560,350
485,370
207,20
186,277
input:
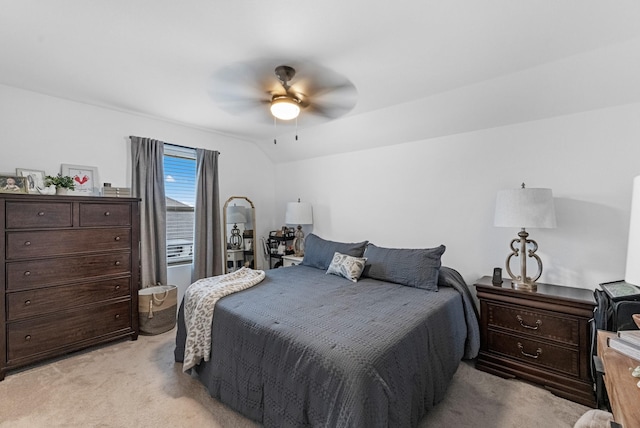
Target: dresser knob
x,y
27,243
535,357
27,273
117,316
107,213
117,287
117,263
27,302
41,213
530,327
27,337
117,238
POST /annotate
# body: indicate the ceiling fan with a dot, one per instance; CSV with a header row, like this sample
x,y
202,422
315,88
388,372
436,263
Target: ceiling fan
x,y
265,90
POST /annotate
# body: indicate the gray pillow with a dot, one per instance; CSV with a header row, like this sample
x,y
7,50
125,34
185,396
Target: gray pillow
x,y
412,267
319,252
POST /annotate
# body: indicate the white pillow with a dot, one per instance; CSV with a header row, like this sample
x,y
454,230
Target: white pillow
x,y
349,267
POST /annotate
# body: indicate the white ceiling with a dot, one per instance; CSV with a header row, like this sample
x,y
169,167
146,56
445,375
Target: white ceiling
x,y
421,68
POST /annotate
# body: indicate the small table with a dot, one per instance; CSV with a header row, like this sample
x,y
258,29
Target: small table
x,y
291,260
540,336
235,258
624,395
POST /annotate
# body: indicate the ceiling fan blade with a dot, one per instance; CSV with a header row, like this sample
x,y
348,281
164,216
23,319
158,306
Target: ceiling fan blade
x,y
329,110
243,81
241,106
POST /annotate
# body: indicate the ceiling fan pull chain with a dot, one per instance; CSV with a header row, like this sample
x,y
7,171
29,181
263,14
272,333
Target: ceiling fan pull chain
x,y
274,129
296,129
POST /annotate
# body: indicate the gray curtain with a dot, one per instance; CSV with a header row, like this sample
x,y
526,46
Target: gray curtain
x,y
147,183
207,240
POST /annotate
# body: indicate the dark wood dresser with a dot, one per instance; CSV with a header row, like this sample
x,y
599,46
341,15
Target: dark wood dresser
x,y
542,336
69,272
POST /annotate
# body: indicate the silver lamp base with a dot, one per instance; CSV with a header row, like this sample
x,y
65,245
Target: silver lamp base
x,y
298,242
522,281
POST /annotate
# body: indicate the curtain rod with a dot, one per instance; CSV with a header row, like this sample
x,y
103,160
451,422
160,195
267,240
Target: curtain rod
x,y
174,145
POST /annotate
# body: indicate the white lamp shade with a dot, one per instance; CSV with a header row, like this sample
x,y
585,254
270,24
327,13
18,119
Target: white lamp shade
x,y
632,273
298,213
525,208
236,214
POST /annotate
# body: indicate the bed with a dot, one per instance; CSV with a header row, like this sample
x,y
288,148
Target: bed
x,y
304,348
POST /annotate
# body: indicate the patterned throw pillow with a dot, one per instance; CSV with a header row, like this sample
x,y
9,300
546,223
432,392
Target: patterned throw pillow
x,y
347,266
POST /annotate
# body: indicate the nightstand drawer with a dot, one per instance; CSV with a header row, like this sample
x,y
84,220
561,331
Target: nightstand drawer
x,y
535,352
538,323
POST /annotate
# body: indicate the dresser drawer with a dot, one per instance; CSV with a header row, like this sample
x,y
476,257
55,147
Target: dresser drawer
x,y
538,323
28,244
23,215
24,304
30,337
105,214
535,352
42,273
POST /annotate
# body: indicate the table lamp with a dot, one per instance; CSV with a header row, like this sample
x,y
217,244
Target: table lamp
x,y
298,213
632,272
235,215
525,208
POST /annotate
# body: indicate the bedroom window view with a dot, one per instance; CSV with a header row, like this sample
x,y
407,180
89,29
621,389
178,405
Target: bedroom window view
x,y
180,191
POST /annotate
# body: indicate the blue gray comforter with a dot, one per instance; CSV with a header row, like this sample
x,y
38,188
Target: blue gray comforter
x,y
306,349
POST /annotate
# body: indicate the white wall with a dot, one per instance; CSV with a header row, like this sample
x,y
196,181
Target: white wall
x,y
443,190
418,194
42,132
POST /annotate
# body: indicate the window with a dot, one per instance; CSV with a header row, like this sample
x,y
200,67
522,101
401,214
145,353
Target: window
x,y
180,191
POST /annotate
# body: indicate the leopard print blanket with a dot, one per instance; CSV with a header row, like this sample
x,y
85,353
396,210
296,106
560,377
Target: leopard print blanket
x,y
199,302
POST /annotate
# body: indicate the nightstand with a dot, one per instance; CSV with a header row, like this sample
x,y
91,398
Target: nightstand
x,y
291,260
235,259
542,336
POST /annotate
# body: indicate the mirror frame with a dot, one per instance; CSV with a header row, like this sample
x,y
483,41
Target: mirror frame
x,y
254,243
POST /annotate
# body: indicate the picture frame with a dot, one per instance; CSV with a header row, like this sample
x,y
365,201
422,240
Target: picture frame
x,y
35,179
12,184
85,179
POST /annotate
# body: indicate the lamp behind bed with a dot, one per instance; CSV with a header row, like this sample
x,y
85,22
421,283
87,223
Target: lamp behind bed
x,y
298,213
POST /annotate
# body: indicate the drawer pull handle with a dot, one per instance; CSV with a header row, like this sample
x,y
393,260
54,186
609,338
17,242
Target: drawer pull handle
x,y
41,214
117,316
27,302
27,337
117,287
27,273
117,263
117,238
535,357
27,243
107,213
531,327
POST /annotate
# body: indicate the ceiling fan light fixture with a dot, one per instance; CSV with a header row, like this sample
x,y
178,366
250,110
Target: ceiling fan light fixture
x,y
285,107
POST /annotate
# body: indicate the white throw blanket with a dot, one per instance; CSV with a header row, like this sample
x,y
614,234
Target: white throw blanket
x,y
199,302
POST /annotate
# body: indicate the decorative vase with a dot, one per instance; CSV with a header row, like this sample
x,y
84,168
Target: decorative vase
x,y
61,191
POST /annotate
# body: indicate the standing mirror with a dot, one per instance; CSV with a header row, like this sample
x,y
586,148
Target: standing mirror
x,y
239,233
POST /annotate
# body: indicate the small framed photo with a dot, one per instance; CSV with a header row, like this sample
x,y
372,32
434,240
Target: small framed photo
x,y
11,184
35,178
85,179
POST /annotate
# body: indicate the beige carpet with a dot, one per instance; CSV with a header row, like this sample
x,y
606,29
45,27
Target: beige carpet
x,y
137,384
